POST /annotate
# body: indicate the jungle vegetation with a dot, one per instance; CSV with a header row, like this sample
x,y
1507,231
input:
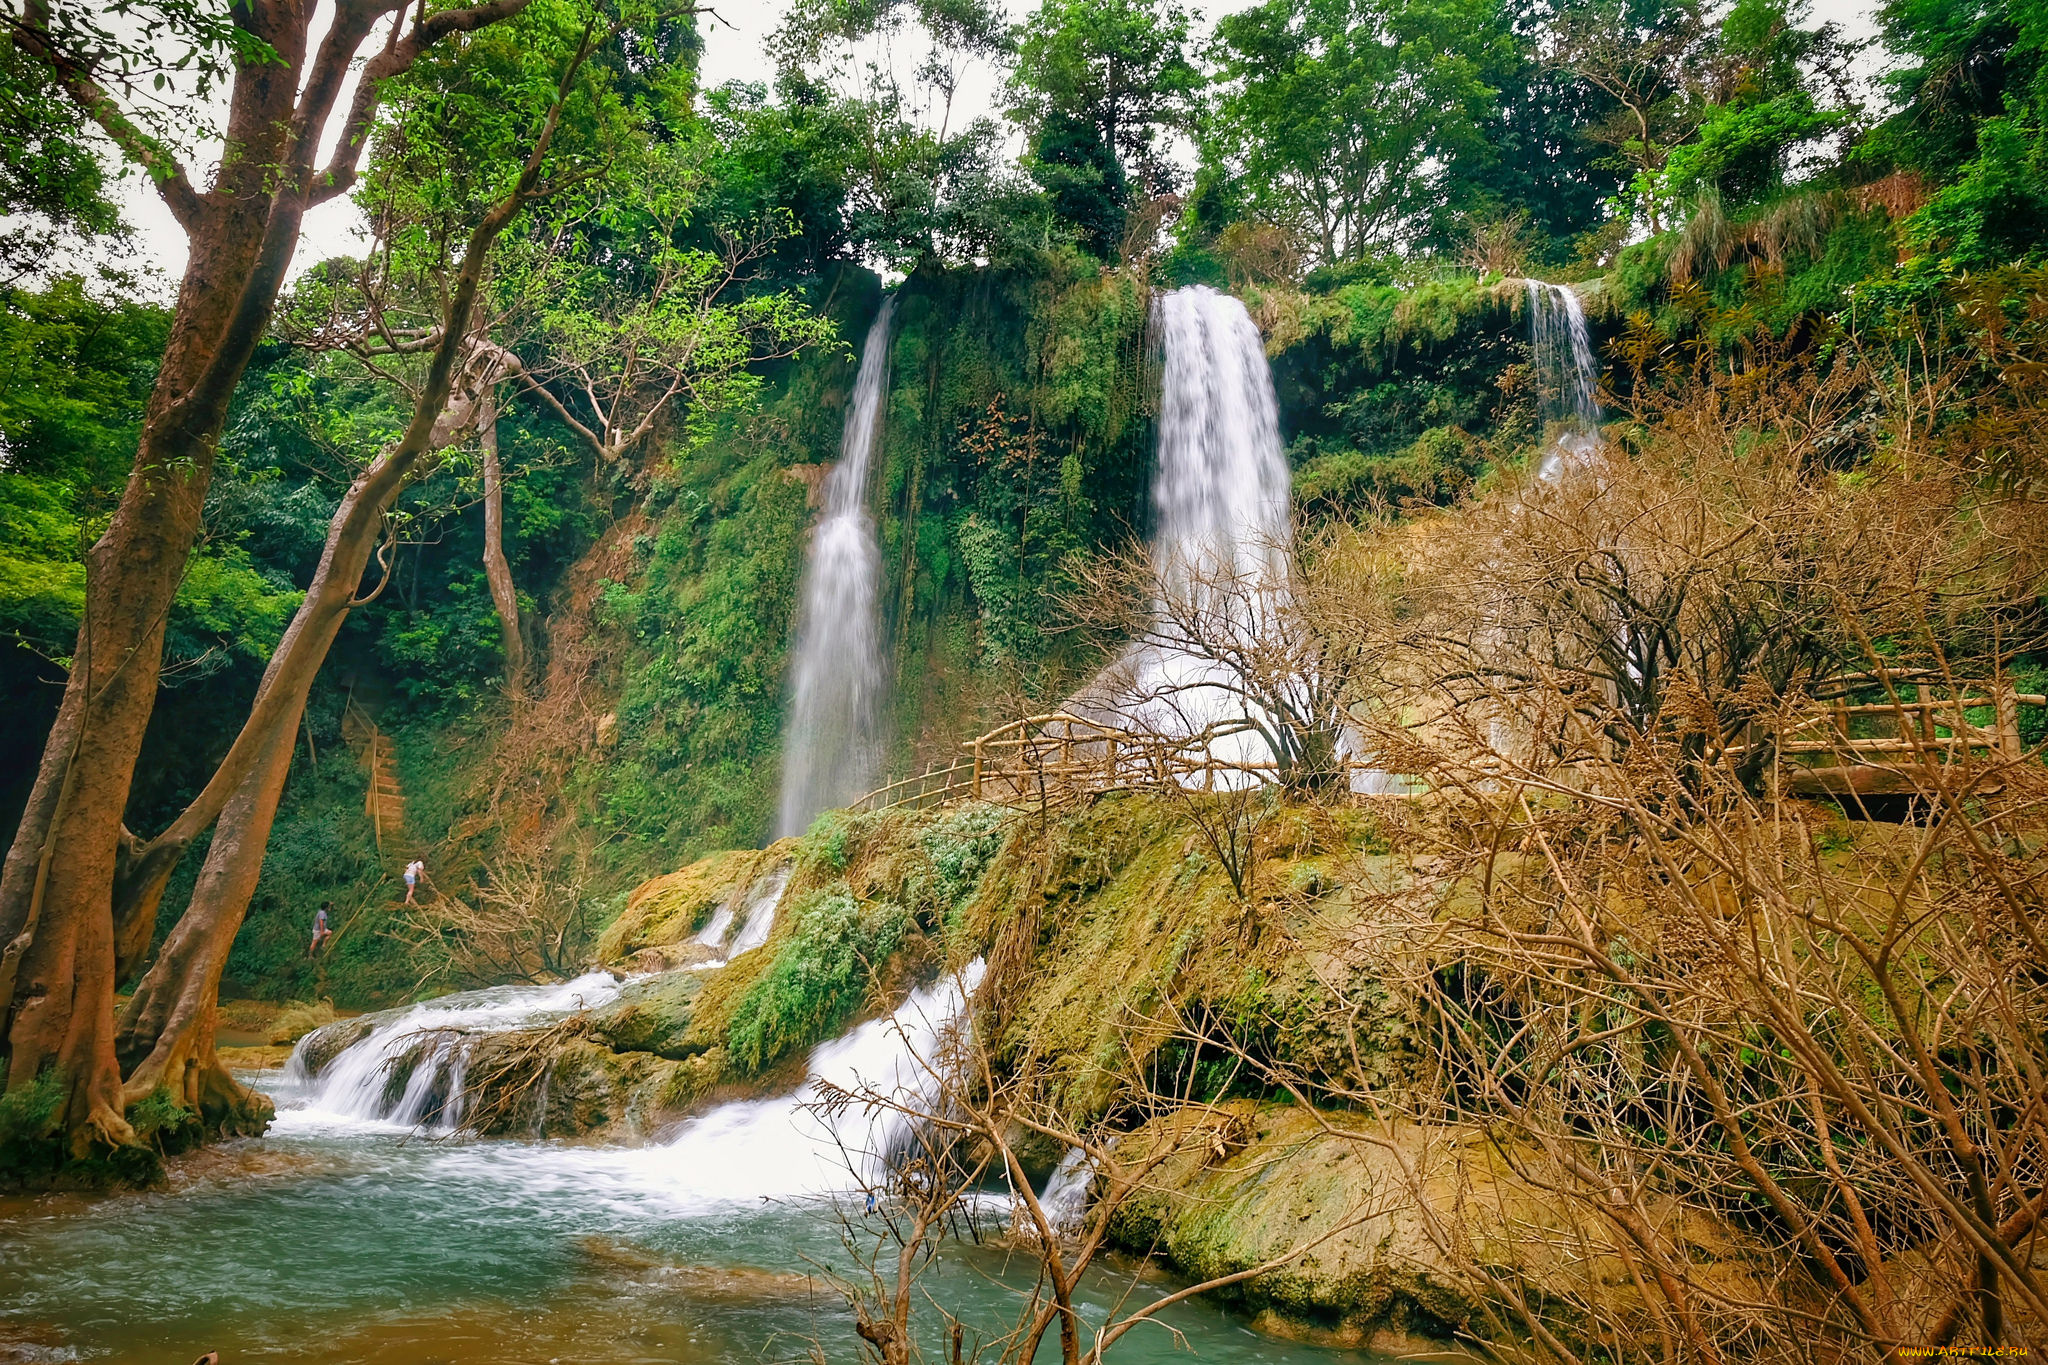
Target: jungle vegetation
x,y
523,487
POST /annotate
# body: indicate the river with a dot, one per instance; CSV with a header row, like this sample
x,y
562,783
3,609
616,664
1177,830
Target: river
x,y
342,1238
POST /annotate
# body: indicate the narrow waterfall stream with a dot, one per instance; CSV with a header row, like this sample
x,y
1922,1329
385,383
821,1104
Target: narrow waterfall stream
x,y
1561,351
830,746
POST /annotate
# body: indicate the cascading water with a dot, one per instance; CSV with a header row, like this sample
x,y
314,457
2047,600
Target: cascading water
x,y
1221,493
1065,1201
762,898
409,1070
783,1148
1562,352
835,675
743,920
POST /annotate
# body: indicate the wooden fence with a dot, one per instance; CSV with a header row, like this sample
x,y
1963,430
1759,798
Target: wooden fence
x,y
1060,757
1867,749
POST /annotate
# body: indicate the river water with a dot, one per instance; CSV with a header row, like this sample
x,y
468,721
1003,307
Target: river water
x,y
343,1236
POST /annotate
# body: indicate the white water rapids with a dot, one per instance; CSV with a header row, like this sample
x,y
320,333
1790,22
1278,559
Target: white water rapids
x,y
830,750
359,1086
779,1148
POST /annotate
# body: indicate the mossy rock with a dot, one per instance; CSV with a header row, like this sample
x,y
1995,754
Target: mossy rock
x,y
652,1014
1381,1215
573,1087
668,910
323,1045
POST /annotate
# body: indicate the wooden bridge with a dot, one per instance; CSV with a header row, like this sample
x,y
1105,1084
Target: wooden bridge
x,y
1840,749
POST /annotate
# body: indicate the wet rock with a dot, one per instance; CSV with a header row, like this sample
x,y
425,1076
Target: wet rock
x,y
651,1015
323,1045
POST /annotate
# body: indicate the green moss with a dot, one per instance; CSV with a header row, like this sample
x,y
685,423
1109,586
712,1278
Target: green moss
x,y
822,973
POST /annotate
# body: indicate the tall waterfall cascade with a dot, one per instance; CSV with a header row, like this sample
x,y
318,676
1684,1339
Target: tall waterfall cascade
x,y
831,742
1562,354
1222,489
1221,495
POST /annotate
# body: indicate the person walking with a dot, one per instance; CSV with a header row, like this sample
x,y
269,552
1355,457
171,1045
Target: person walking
x,y
414,870
321,933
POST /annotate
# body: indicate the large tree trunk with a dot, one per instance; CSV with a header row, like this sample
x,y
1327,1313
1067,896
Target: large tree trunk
x,y
175,1009
166,1033
167,1029
496,568
57,886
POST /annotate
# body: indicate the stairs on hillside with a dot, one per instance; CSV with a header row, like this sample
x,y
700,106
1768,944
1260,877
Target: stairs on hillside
x,y
384,802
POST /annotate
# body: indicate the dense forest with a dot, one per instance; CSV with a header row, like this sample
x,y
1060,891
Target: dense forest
x,y
483,546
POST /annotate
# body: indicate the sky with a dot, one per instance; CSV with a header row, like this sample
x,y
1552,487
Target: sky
x,y
734,49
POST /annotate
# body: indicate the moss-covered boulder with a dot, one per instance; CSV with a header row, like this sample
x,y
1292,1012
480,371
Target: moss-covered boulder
x,y
661,915
323,1045
1395,1225
652,1014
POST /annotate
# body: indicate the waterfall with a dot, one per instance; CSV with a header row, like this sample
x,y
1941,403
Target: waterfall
x,y
830,745
1221,494
762,899
1222,489
408,1069
1562,354
781,1148
743,920
1065,1201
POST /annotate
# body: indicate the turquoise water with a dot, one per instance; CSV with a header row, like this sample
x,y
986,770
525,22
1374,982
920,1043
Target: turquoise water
x,y
336,1242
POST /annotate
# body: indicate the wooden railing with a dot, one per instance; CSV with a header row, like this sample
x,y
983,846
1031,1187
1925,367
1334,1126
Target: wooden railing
x,y
1058,757
1885,747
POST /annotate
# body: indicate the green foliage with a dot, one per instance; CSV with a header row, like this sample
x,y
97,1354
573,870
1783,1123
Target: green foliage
x,y
161,1122
1118,67
822,973
1395,393
1745,143
1338,119
1997,209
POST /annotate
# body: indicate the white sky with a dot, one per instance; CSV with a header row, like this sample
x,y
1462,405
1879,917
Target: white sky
x,y
733,50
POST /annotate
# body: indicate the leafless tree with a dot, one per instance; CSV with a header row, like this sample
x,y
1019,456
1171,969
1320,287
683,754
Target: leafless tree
x,y
973,1116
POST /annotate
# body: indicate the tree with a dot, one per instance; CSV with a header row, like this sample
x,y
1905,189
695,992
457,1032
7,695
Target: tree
x,y
1765,104
56,891
1337,119
166,1034
1645,56
1118,66
1534,157
913,187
